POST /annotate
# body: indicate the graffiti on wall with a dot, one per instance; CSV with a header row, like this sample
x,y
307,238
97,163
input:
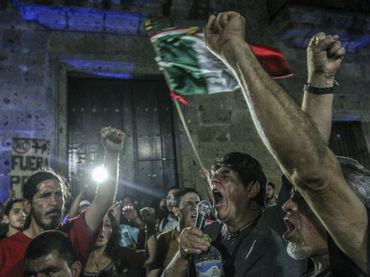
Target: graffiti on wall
x,y
28,155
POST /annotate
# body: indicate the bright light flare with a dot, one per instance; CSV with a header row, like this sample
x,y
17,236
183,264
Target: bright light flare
x,y
99,174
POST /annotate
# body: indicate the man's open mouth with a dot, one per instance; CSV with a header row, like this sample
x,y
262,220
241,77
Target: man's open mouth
x,y
218,198
290,227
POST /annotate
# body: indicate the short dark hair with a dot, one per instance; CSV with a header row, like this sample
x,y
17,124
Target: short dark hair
x,y
10,204
171,188
30,187
181,192
46,242
248,169
271,185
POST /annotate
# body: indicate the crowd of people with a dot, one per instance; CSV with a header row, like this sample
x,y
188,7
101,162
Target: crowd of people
x,y
316,226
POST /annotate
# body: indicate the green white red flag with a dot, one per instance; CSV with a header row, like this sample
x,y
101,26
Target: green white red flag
x,y
192,69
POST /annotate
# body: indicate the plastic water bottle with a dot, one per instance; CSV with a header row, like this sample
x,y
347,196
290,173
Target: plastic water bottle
x,y
209,264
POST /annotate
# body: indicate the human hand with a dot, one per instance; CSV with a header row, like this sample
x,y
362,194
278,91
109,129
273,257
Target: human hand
x,y
324,56
115,209
112,139
226,27
148,215
130,213
191,242
204,174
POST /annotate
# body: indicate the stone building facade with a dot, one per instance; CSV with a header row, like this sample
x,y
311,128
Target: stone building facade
x,y
35,60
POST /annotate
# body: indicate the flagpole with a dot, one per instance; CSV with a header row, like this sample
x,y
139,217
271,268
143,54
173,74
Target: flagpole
x,y
182,119
188,133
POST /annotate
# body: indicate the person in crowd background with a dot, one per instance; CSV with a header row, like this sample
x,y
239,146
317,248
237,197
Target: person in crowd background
x,y
131,224
169,222
51,254
46,192
14,217
270,199
108,258
185,203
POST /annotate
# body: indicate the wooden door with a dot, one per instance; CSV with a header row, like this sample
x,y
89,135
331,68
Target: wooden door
x,y
142,109
347,139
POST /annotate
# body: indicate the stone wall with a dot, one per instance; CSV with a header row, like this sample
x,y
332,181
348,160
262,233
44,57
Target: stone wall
x,y
35,60
222,123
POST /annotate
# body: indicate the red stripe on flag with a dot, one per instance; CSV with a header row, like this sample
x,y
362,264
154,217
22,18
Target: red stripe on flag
x,y
272,60
179,97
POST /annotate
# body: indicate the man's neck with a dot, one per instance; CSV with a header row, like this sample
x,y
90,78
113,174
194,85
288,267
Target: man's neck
x,y
12,231
320,262
33,230
245,219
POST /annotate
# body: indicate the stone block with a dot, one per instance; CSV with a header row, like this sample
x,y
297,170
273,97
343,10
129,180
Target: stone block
x,y
214,116
35,40
11,40
4,57
213,133
5,161
349,70
42,120
6,121
211,112
5,143
4,187
227,99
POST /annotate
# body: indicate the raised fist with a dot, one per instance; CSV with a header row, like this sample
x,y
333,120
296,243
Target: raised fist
x,y
112,139
148,215
324,56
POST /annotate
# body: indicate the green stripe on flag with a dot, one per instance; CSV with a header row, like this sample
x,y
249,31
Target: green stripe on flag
x,y
180,60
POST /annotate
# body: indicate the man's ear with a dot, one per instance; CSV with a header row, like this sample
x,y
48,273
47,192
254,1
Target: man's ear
x,y
253,189
5,219
76,268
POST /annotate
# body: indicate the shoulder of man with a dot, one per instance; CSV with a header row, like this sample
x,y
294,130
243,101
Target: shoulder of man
x,y
12,250
17,238
165,236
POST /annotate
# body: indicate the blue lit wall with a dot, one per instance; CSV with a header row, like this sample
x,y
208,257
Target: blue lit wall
x,y
83,18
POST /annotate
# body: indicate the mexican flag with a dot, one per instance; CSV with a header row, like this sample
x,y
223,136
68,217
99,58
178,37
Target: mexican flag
x,y
192,69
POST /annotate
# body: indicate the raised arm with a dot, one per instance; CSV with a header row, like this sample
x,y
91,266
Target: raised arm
x,y
112,141
292,139
76,202
324,56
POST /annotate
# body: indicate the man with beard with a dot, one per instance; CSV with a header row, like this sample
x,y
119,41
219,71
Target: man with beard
x,y
46,193
305,234
291,136
14,217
